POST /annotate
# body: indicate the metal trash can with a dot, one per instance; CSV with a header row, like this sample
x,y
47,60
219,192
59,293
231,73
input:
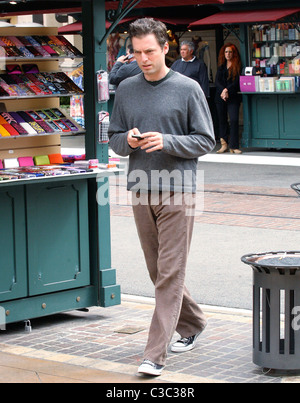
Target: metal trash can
x,y
296,188
276,309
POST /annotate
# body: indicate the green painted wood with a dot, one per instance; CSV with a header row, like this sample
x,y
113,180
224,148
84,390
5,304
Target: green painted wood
x,y
110,296
265,120
13,262
58,237
274,121
278,144
93,32
289,115
108,277
49,304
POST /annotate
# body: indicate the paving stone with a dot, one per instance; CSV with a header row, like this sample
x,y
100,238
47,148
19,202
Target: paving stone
x,y
224,352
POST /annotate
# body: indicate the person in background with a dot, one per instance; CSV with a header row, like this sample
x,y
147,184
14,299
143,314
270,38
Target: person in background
x,y
192,67
228,100
126,66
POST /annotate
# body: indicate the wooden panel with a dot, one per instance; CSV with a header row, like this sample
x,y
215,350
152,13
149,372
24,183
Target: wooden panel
x,y
29,141
289,107
44,65
58,236
30,152
29,146
22,31
13,261
15,105
265,117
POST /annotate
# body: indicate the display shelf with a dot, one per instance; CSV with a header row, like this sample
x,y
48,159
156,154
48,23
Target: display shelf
x,y
31,46
270,93
43,122
281,57
36,84
14,98
96,173
278,41
39,59
33,42
276,47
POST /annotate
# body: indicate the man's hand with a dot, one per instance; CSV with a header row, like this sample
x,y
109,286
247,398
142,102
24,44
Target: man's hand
x,y
134,143
153,141
122,59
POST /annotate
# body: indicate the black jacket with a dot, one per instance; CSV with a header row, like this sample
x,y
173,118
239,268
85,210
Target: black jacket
x,y
222,82
196,70
121,71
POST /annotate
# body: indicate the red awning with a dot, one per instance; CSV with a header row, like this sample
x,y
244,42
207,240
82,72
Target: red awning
x,y
109,4
113,5
241,17
70,29
76,27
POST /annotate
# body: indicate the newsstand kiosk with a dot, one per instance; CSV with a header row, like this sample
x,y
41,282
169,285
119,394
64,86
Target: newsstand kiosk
x,y
56,251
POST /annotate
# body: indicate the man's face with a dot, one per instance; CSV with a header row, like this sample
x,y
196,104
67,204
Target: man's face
x,y
150,56
186,53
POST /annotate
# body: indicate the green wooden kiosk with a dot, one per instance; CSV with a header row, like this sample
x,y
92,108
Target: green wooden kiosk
x,y
56,244
56,248
272,119
265,30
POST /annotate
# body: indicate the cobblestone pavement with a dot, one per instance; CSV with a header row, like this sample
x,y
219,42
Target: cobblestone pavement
x,y
113,340
256,207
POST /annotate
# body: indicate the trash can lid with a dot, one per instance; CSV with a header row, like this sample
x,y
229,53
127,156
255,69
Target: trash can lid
x,y
275,260
296,188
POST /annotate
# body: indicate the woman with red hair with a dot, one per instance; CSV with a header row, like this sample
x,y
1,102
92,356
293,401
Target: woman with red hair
x,y
228,100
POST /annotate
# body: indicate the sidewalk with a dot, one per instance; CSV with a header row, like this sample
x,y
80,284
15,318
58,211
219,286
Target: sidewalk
x,y
106,346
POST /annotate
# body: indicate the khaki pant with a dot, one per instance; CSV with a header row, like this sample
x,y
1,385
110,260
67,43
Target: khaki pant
x,y
165,232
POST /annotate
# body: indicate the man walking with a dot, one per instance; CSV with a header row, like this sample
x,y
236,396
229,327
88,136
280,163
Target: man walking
x,y
192,67
162,121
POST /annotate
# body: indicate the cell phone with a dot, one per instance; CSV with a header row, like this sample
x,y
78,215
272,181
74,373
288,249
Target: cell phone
x,y
58,113
64,127
53,126
137,136
34,115
50,115
70,125
129,57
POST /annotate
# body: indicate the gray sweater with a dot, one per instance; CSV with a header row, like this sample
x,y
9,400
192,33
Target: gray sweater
x,y
176,107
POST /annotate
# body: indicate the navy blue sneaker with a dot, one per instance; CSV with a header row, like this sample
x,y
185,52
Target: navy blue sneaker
x,y
150,368
185,344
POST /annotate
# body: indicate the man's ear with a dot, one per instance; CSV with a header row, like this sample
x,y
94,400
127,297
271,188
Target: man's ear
x,y
166,48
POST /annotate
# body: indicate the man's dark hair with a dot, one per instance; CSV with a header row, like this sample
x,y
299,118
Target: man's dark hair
x,y
130,49
148,26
